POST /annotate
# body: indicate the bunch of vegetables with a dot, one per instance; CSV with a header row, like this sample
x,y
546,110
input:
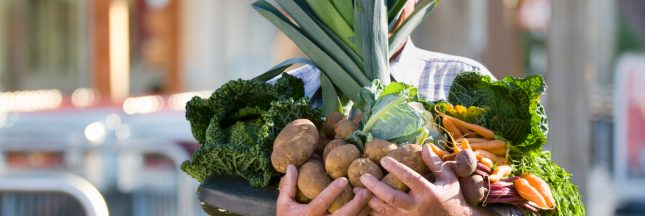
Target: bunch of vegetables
x,y
504,125
237,124
490,132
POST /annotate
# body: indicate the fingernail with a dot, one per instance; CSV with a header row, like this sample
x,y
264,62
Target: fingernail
x,y
341,181
366,179
386,161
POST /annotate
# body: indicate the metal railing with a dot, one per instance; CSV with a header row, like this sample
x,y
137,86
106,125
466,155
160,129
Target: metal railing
x,y
50,194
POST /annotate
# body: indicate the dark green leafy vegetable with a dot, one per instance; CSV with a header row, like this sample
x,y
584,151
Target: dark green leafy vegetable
x,y
236,127
567,198
512,105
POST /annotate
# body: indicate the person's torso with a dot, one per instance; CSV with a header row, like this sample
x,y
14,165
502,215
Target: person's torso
x,y
431,72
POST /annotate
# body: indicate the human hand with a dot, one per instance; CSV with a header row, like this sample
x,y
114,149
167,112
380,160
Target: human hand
x,y
443,197
287,205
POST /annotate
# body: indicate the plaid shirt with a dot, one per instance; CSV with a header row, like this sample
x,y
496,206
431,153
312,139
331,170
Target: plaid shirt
x,y
431,72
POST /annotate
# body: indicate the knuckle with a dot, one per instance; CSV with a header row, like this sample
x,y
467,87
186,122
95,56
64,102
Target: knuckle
x,y
413,178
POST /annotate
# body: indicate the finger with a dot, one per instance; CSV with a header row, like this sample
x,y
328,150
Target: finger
x,y
379,207
386,193
441,171
354,206
288,184
321,203
409,177
432,160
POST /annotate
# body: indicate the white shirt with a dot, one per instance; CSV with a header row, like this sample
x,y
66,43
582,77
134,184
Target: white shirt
x,y
431,72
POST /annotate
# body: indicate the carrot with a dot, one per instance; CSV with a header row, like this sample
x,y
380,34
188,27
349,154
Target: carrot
x,y
487,162
501,152
529,193
484,132
464,144
477,140
462,129
440,152
493,157
451,128
542,187
500,172
494,144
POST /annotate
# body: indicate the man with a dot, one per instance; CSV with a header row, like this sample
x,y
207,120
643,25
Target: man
x,y
432,73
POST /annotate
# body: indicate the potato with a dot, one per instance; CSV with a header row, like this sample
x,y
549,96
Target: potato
x,y
339,159
331,145
312,179
377,149
301,198
294,144
360,167
344,128
330,122
357,118
472,188
410,155
394,182
322,142
343,198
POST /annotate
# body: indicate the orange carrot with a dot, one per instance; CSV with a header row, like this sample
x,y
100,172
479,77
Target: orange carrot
x,y
451,128
501,152
440,152
464,144
475,140
484,132
494,144
493,157
500,172
487,162
528,192
542,187
463,129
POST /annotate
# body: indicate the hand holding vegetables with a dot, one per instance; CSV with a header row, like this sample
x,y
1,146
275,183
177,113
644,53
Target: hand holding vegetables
x,y
442,197
287,205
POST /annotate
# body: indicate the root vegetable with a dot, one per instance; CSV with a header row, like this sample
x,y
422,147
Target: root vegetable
x,y
356,119
338,160
494,144
301,198
344,128
330,122
360,167
465,163
377,149
331,145
410,155
472,188
322,142
394,182
491,156
439,152
451,128
312,179
294,144
343,198
542,187
529,193
500,172
482,131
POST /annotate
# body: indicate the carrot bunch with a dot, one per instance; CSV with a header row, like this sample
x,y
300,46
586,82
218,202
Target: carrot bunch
x,y
527,190
482,140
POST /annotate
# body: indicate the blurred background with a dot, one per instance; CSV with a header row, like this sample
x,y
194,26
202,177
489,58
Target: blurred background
x,y
92,92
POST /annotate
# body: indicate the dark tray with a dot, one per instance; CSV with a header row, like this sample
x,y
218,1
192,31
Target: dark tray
x,y
229,195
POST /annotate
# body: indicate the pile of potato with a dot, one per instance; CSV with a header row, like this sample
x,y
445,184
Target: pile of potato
x,y
323,157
